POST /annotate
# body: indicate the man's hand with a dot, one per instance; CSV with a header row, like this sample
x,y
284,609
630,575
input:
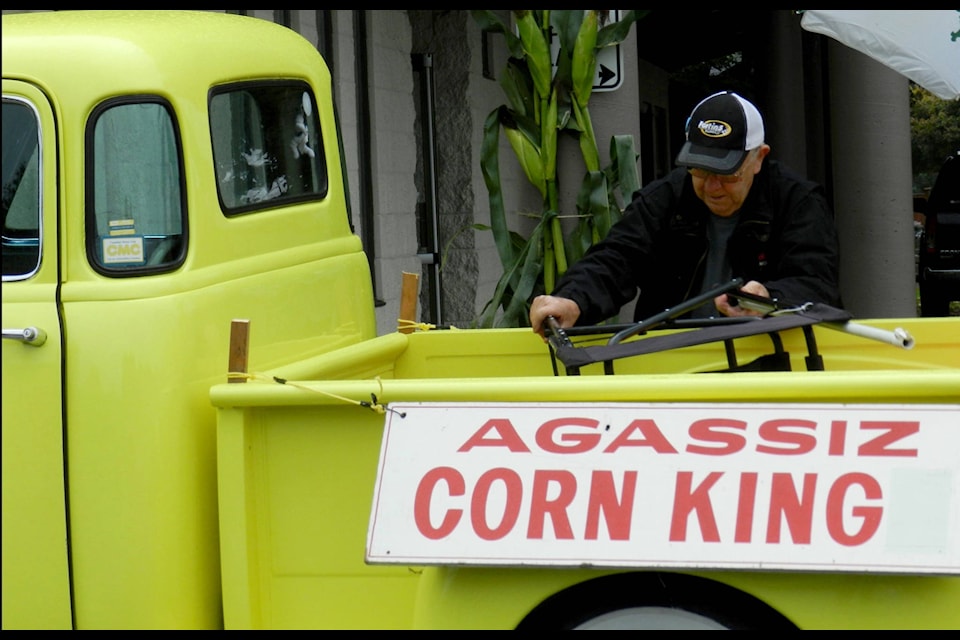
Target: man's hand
x,y
564,310
723,304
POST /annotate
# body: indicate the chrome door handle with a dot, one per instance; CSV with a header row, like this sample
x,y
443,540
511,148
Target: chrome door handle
x,y
31,335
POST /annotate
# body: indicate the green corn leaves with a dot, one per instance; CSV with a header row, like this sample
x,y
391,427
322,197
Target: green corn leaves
x,y
584,68
546,99
529,155
534,41
548,128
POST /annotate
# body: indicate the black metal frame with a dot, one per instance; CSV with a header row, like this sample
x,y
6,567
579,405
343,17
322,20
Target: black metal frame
x,y
703,331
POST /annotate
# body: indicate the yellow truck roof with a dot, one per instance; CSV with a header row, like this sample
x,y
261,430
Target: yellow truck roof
x,y
134,50
82,59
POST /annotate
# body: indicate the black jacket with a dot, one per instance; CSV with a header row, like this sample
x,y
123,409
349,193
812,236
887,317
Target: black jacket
x,y
785,239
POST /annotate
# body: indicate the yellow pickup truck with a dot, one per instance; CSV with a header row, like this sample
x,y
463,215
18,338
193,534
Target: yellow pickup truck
x,y
202,430
163,174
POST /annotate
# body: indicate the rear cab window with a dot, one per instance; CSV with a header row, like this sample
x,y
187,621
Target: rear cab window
x,y
21,199
267,146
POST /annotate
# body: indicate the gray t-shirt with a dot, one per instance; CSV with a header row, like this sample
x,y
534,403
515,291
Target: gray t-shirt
x,y
718,269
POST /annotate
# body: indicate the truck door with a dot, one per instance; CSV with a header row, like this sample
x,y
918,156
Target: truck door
x,y
35,569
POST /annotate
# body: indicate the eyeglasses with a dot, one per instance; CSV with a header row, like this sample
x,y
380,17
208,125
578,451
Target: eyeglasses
x,y
702,174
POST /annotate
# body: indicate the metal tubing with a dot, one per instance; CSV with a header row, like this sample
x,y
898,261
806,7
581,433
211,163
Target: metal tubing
x,y
899,337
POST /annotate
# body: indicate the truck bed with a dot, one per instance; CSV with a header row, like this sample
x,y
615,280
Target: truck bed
x,y
301,458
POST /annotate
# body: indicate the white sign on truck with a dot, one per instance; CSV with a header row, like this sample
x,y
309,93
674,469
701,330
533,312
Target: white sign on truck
x,y
810,487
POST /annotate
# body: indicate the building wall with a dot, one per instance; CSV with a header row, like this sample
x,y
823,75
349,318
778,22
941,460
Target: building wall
x,y
393,159
386,179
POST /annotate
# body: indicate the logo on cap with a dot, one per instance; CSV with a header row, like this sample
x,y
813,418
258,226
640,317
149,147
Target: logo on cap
x,y
714,128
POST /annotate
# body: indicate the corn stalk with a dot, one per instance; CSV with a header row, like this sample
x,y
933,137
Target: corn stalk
x,y
545,101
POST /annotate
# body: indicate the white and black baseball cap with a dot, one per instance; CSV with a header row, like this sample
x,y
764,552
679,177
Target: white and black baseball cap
x,y
720,131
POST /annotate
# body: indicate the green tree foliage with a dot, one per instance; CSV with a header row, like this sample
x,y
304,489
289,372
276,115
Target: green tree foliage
x,y
935,134
545,101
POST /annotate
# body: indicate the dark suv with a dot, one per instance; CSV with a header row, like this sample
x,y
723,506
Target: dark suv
x,y
939,261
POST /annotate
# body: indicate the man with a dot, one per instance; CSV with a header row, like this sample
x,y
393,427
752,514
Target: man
x,y
725,212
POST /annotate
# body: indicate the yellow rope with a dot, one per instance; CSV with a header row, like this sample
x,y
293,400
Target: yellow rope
x,y
421,326
373,405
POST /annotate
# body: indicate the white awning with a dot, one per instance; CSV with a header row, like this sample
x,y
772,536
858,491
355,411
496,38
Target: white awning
x,y
921,44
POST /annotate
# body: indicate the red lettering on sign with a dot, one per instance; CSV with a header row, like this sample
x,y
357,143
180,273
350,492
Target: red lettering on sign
x,y
708,436
838,434
421,503
579,442
652,437
748,497
553,492
686,500
708,430
835,507
779,431
480,499
895,431
509,437
615,510
785,502
603,497
540,506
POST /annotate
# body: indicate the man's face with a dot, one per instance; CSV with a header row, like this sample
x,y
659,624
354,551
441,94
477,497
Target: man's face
x,y
724,195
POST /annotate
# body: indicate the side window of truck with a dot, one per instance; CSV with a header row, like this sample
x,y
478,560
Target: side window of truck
x,y
267,145
21,190
136,208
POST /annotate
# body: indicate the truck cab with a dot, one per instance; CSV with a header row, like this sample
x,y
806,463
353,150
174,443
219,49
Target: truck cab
x,y
164,173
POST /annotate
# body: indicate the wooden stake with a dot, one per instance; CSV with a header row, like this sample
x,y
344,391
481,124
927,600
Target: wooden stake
x,y
408,300
239,346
